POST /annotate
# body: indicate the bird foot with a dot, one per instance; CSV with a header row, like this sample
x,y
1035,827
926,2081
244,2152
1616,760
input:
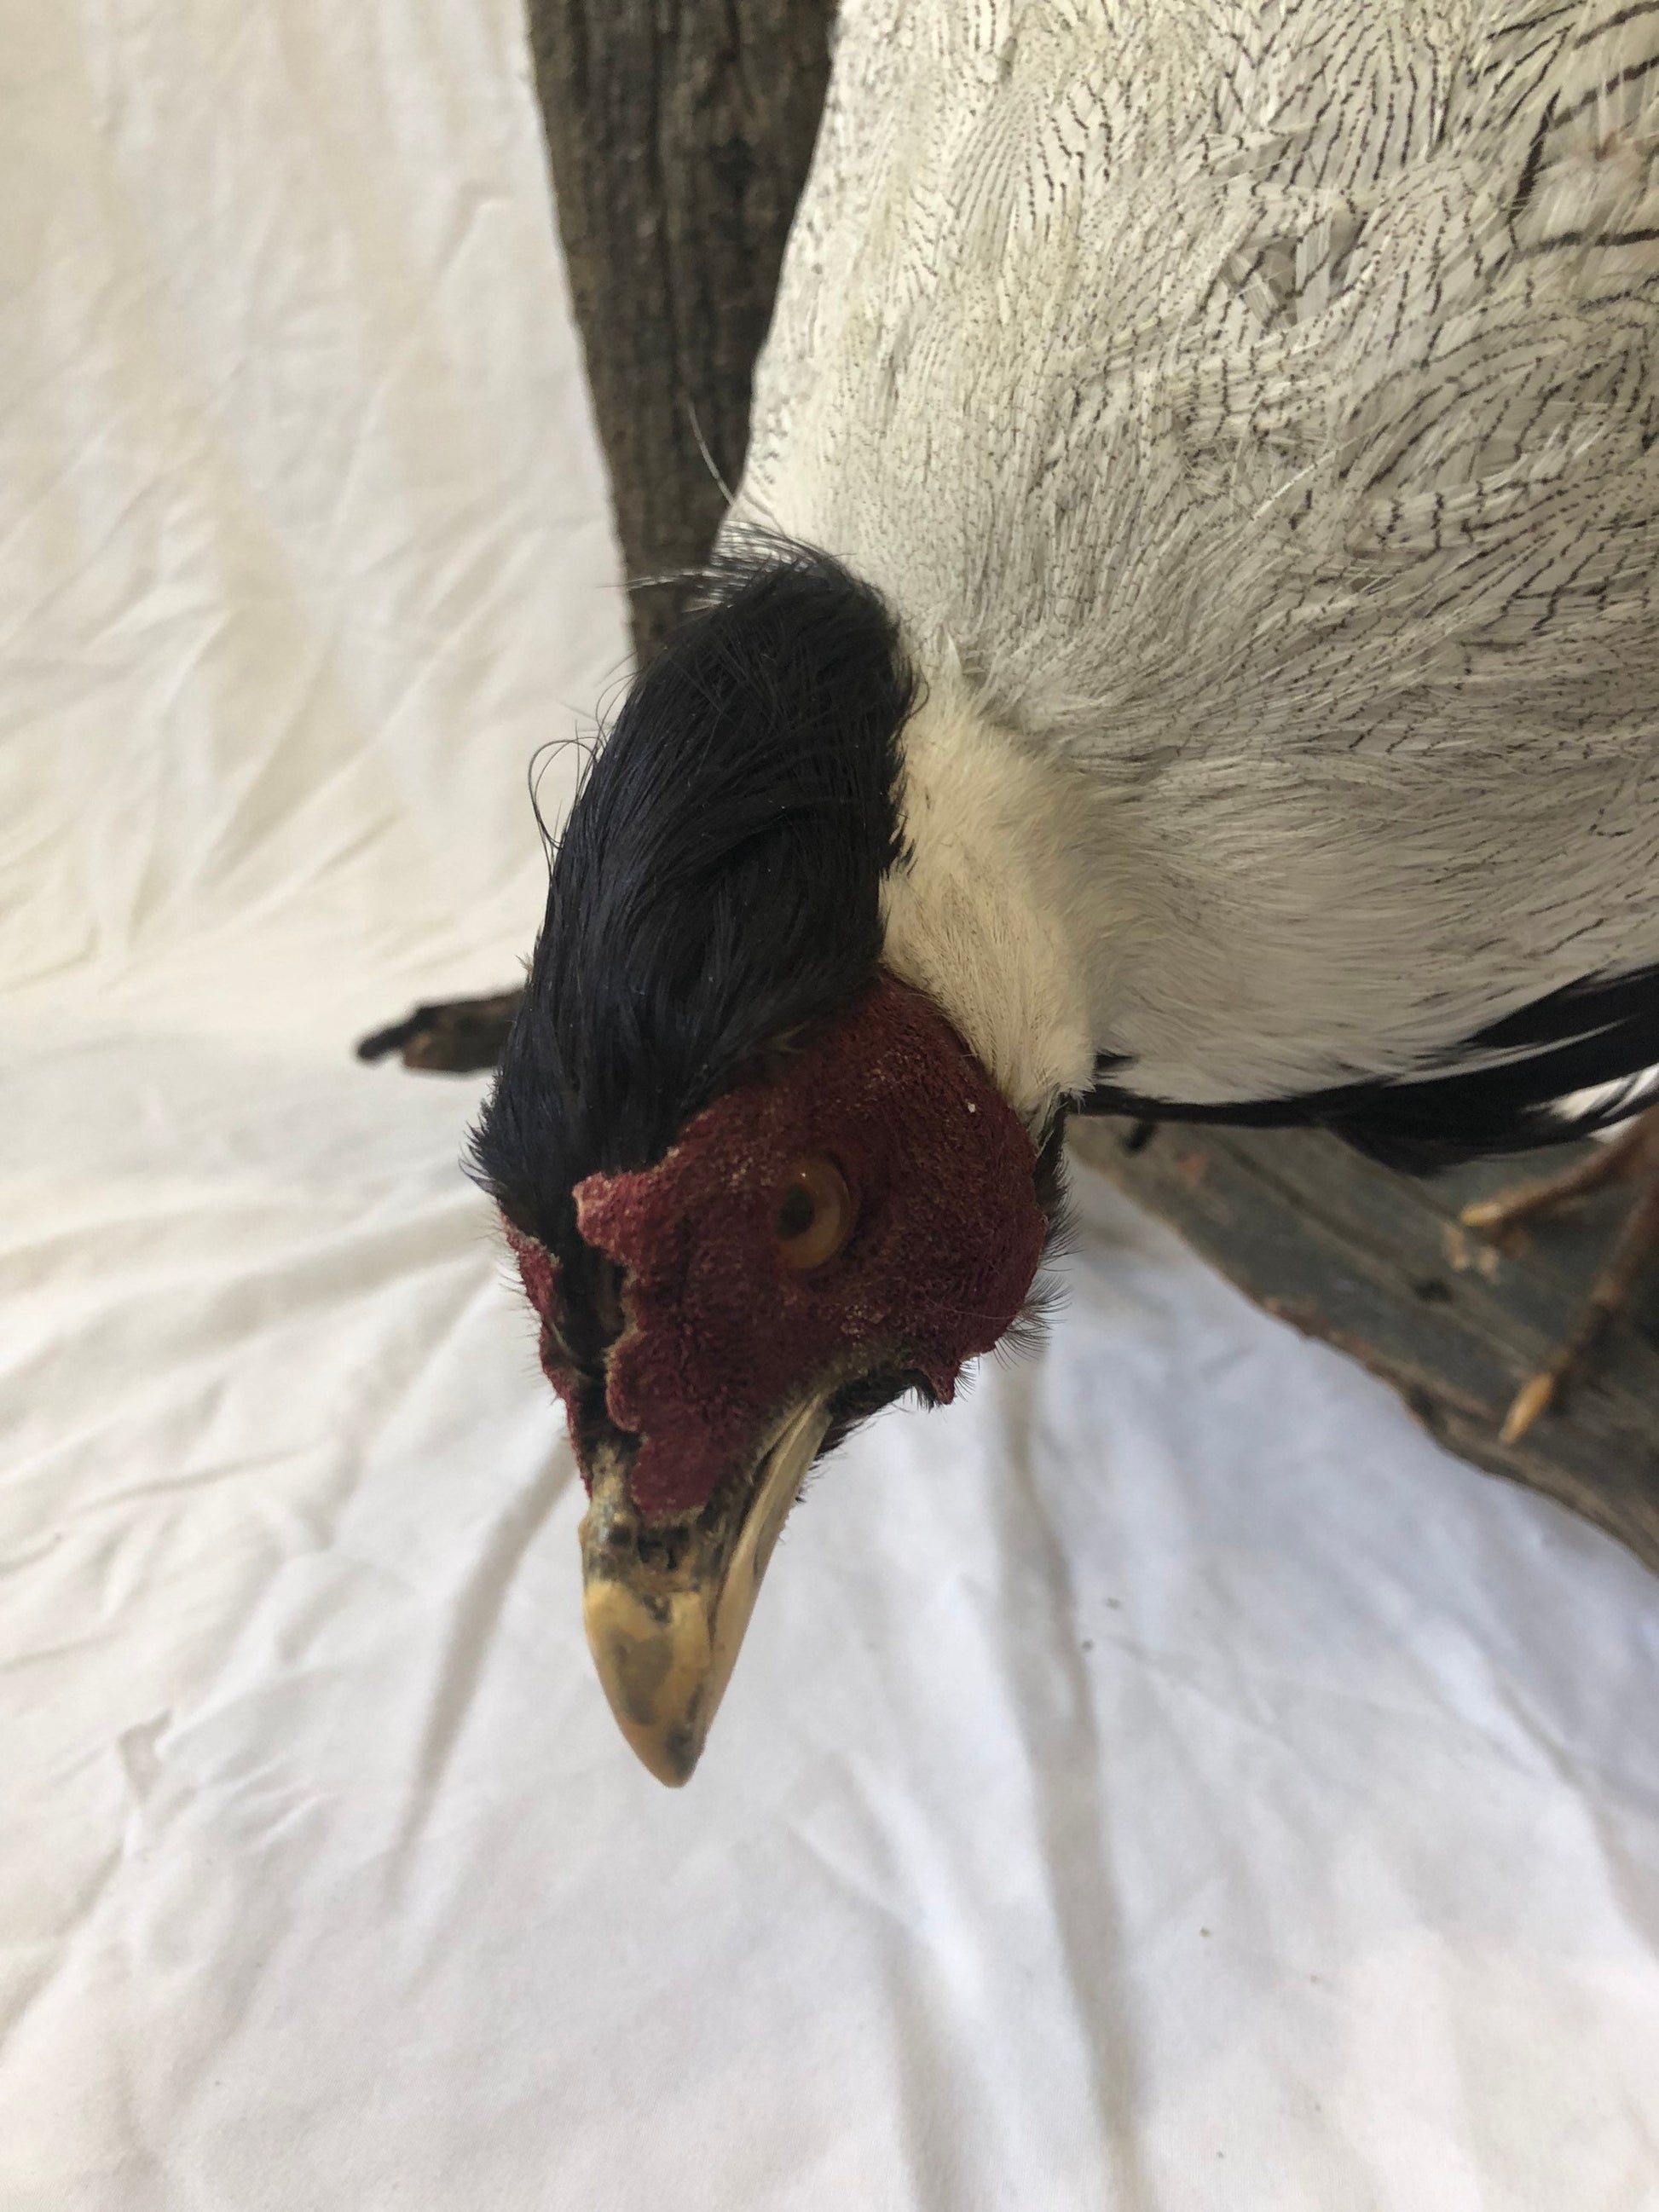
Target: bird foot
x,y
453,1036
1631,1157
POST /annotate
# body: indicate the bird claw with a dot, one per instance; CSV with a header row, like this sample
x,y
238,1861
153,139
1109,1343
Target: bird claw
x,y
1492,1216
451,1036
1532,1398
1631,1157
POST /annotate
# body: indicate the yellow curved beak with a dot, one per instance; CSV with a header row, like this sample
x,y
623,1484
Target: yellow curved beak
x,y
665,1608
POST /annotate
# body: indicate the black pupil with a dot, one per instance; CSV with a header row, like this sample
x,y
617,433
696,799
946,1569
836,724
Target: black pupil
x,y
796,1213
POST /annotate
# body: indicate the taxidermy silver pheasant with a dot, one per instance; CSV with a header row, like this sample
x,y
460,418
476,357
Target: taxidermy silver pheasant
x,y
1184,643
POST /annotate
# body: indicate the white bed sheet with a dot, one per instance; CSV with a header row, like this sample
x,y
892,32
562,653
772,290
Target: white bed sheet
x,y
1163,1782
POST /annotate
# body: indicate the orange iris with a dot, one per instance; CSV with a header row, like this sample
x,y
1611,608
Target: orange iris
x,y
813,1218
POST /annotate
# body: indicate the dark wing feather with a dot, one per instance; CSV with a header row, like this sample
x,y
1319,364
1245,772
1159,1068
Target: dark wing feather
x,y
1601,1030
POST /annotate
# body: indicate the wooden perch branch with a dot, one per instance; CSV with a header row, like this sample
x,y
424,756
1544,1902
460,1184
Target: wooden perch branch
x,y
1377,1264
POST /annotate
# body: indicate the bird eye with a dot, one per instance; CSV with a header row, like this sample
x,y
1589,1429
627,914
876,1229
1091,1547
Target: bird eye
x,y
814,1215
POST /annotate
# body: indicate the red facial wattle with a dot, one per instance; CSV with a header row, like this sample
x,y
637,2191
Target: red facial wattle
x,y
538,1271
727,1326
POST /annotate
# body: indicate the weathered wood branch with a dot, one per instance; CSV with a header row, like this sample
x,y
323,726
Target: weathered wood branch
x,y
680,132
1377,1264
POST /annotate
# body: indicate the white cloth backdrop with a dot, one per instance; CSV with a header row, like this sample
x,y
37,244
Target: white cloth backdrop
x,y
1164,1782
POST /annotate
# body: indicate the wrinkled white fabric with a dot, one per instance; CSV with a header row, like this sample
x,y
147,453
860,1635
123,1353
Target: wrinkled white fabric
x,y
1163,1782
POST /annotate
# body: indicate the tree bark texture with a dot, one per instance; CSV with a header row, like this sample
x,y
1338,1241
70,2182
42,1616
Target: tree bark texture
x,y
680,132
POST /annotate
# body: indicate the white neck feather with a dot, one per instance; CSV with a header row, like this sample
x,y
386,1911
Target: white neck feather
x,y
984,918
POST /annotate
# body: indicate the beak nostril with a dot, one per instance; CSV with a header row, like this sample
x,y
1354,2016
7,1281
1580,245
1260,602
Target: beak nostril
x,y
663,1549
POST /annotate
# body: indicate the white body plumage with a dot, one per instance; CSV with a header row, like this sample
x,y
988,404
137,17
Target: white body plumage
x,y
1249,411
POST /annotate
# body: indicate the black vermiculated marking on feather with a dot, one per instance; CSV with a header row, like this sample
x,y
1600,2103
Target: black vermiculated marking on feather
x,y
1601,1030
1613,22
1632,74
715,894
1605,240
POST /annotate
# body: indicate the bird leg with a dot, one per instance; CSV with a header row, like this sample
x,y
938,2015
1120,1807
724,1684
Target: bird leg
x,y
453,1036
1631,1157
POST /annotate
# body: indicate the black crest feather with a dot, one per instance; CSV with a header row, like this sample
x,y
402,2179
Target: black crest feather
x,y
716,891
